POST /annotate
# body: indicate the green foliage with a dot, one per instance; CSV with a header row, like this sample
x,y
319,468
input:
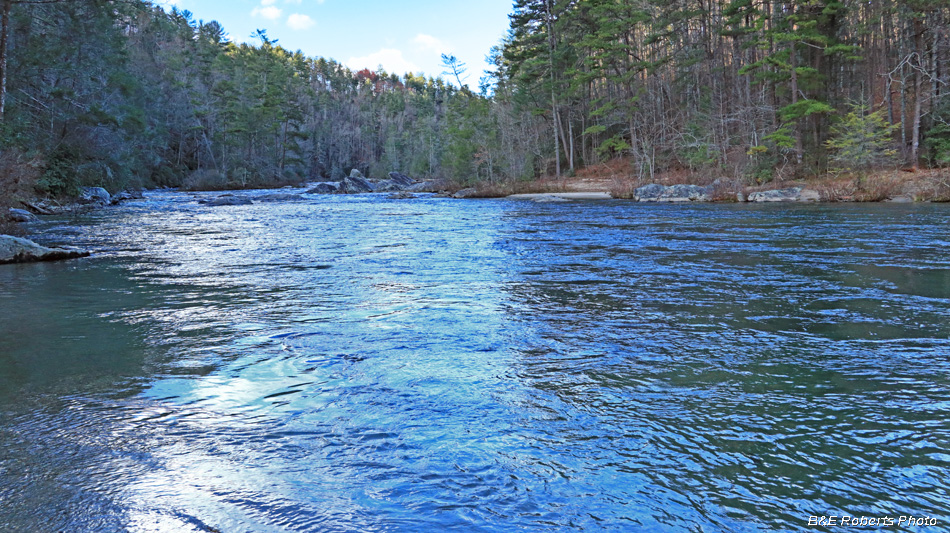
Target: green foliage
x,y
938,136
862,140
60,177
804,108
762,168
782,138
123,93
613,146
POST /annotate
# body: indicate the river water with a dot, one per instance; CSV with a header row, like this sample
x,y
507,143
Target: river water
x,y
353,363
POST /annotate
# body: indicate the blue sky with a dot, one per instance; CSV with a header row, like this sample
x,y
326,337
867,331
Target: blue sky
x,y
400,36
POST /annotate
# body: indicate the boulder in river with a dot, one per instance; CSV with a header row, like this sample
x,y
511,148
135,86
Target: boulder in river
x,y
356,184
655,192
226,199
324,188
402,195
401,179
791,194
389,186
20,215
94,195
356,174
17,250
279,197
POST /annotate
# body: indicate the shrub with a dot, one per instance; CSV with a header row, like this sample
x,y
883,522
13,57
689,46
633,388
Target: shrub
x,y
938,136
205,180
862,140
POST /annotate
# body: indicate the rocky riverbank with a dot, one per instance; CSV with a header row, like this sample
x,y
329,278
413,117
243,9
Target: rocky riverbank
x,y
396,186
15,249
19,250
696,193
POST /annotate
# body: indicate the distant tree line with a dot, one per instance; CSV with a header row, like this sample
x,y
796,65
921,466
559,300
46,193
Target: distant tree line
x,y
122,93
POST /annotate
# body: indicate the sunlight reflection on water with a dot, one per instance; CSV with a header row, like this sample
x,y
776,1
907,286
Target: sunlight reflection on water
x,y
355,363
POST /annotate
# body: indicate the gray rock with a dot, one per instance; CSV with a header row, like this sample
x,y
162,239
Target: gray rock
x,y
655,192
809,195
791,194
427,186
17,250
94,195
357,174
226,199
124,196
389,186
356,185
279,197
20,215
403,195
401,179
649,192
465,193
325,188
902,199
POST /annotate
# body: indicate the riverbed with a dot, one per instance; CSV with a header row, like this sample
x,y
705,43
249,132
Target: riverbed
x,y
355,363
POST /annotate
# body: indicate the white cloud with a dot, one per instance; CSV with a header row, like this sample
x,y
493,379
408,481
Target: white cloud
x,y
266,11
391,59
434,44
300,22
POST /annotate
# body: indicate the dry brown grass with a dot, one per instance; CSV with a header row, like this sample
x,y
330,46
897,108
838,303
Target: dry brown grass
x,y
502,189
931,186
879,186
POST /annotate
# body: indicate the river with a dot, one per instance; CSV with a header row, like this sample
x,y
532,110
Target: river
x,y
353,363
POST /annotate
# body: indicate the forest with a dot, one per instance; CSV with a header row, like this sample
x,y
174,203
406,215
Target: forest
x,y
121,93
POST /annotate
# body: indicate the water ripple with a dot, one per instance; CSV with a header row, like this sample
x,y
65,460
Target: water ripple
x,y
353,363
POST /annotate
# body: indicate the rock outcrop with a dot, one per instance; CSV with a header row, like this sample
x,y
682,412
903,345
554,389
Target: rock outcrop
x,y
328,187
790,194
356,184
17,250
655,192
401,179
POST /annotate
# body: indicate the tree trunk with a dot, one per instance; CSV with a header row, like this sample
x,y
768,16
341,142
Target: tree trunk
x,y
798,130
554,114
4,42
918,94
